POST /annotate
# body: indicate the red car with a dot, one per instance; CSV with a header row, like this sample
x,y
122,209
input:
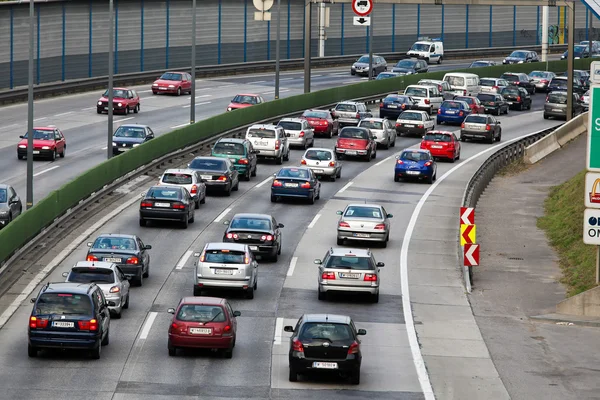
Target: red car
x,y
245,100
124,101
48,142
173,83
473,102
442,144
322,122
203,323
355,141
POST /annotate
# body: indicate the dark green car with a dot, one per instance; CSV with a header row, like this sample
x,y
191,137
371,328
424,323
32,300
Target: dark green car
x,y
240,152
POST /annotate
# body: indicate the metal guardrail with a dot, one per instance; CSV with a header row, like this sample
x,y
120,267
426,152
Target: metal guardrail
x,y
137,78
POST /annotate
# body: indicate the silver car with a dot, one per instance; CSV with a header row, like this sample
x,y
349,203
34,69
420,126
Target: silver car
x,y
585,101
226,266
323,162
383,129
368,222
344,270
349,113
189,179
109,278
361,66
492,85
301,133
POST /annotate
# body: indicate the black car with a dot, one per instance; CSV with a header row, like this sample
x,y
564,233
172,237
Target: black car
x,y
520,80
69,316
580,51
481,127
517,98
10,205
260,232
127,251
411,66
395,104
167,203
217,173
580,77
521,56
482,63
129,136
493,103
325,342
559,84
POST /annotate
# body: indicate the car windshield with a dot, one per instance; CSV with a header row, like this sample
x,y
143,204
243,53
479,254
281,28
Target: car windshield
x,y
260,224
468,100
420,47
415,156
158,193
411,116
262,133
177,178
557,98
200,313
580,49
365,59
408,64
363,212
345,107
353,133
89,275
377,125
326,331
453,105
290,125
208,164
479,64
242,99
416,92
121,94
116,243
130,132
437,137
316,114
476,119
3,196
63,303
486,97
518,54
386,75
40,134
538,74
487,82
349,261
510,78
318,155
170,76
229,148
293,173
225,256
455,80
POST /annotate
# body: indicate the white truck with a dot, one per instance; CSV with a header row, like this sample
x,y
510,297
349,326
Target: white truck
x,y
430,50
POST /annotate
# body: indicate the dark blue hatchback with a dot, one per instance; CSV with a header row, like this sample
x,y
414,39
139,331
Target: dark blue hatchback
x,y
298,182
415,164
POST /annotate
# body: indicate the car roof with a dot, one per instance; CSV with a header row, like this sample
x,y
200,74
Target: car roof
x,y
210,158
248,94
341,251
320,149
263,126
163,187
372,119
120,88
439,132
417,151
316,109
252,215
204,300
335,318
118,235
174,72
495,79
179,171
299,168
560,91
225,246
231,140
95,264
362,205
3,186
133,126
292,119
418,86
349,102
432,81
45,128
478,115
415,111
70,287
457,101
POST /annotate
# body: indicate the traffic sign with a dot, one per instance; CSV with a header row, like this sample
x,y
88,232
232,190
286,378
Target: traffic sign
x,y
467,215
263,5
467,234
592,190
595,70
471,255
362,8
362,21
591,226
593,143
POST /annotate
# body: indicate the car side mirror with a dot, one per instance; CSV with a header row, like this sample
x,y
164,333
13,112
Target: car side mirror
x,y
171,311
380,264
111,303
147,247
65,274
280,226
226,222
89,244
237,313
32,300
288,328
361,332
318,261
338,212
196,254
22,137
143,194
390,215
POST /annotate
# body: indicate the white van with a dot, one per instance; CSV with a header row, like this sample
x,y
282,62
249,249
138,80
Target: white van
x,y
463,84
430,50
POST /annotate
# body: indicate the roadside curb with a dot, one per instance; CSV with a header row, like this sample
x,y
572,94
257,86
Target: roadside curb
x,y
569,320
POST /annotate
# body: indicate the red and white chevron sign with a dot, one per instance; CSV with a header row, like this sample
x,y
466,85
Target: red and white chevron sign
x,y
471,255
467,215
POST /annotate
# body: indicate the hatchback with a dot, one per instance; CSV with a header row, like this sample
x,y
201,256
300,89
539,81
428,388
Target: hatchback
x,y
261,232
271,141
124,101
415,164
453,112
173,83
48,142
323,162
295,182
541,79
127,137
442,144
10,205
383,129
481,127
556,105
322,122
520,80
473,102
217,173
493,103
414,123
167,203
517,97
395,104
364,222
301,134
189,179
240,152
245,100
492,85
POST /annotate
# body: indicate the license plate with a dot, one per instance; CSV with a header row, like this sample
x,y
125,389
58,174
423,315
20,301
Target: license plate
x,y
413,172
105,108
111,259
556,110
254,248
223,272
63,324
318,171
408,126
392,106
363,235
36,152
352,276
200,331
436,147
325,365
291,185
206,177
351,153
162,88
450,112
123,149
509,103
262,143
162,204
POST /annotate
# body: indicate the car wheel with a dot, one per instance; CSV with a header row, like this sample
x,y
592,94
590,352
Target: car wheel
x,y
430,179
32,351
375,298
529,106
311,200
99,111
279,160
237,186
491,139
498,111
53,155
387,144
293,374
63,152
95,353
507,109
142,222
247,175
185,223
520,106
332,178
126,305
254,171
147,273
138,282
197,204
545,116
136,109
255,288
533,91
355,377
228,353
439,61
396,178
339,174
172,350
228,191
340,241
250,293
197,291
179,91
203,200
273,199
116,315
321,295
193,218
286,157
499,136
330,134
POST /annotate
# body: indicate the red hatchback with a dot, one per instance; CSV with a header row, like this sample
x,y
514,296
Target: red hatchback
x,y
442,144
322,122
124,101
244,100
48,142
354,141
173,83
203,323
473,102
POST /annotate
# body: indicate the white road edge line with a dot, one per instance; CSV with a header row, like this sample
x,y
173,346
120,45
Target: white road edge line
x,y
222,215
342,190
197,104
263,182
148,325
88,108
385,159
40,119
314,221
292,266
278,330
46,170
184,259
255,82
121,120
406,304
179,126
65,113
204,95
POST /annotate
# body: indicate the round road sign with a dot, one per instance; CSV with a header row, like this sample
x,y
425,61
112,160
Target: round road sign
x,y
362,8
263,5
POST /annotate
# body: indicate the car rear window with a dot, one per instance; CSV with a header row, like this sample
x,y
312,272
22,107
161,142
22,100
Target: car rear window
x,y
455,80
201,313
325,331
170,194
353,133
89,275
318,155
416,92
557,98
486,97
363,212
371,124
510,78
487,82
467,100
538,74
414,156
345,107
225,256
349,262
229,148
293,173
559,81
397,99
476,119
411,116
509,90
262,133
250,223
115,243
208,164
63,304
437,137
290,126
177,179
316,114
452,105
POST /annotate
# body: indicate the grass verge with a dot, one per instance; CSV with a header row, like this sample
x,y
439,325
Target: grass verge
x,y
562,223
514,168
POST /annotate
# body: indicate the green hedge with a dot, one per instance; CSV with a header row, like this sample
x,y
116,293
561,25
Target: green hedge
x,y
30,223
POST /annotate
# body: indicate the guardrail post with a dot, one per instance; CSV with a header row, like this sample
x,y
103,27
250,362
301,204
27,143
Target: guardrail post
x,y
342,32
12,50
64,34
142,36
491,26
219,34
168,12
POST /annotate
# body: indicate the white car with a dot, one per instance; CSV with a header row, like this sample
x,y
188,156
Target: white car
x,y
322,162
414,122
383,129
187,178
585,100
271,141
429,97
492,85
301,133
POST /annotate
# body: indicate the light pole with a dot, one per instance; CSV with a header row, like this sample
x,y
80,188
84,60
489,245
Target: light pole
x,y
193,97
30,112
307,42
371,74
111,66
277,49
571,58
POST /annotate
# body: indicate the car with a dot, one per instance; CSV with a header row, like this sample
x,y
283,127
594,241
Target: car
x,y
581,78
48,142
383,129
493,103
124,101
217,173
482,63
69,316
259,231
585,101
414,122
349,113
173,83
428,97
453,112
415,164
517,98
323,162
295,182
167,203
411,66
361,66
241,153
444,87
442,144
356,142
556,105
363,222
126,137
108,276
271,141
541,79
245,100
520,80
559,84
206,322
189,179
128,252
10,205
595,46
579,51
387,75
226,266
325,342
473,102
481,127
492,85
521,56
395,104
300,131
322,122
430,50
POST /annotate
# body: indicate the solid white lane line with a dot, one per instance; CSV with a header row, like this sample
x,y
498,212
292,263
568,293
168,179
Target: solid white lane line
x,y
144,91
291,79
88,108
314,76
148,325
65,113
204,95
230,85
255,82
263,182
284,90
269,92
222,215
342,190
278,331
40,119
349,82
46,170
197,104
179,126
184,259
121,120
314,221
292,266
7,126
384,160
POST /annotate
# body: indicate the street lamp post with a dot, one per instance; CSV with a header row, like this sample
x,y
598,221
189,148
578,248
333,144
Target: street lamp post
x,y
30,111
307,42
193,96
277,49
111,66
371,74
571,58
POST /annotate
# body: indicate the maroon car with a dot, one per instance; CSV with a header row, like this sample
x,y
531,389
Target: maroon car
x,y
173,83
322,122
203,323
124,101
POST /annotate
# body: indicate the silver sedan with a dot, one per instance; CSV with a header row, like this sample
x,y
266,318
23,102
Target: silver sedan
x,y
368,222
323,162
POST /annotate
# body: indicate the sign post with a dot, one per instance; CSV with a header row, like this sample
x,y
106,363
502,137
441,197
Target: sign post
x,y
362,9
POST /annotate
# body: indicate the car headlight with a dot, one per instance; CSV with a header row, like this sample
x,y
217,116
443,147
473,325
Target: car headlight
x,y
155,84
136,144
229,108
3,213
578,58
521,62
22,146
114,144
504,60
120,104
99,103
46,148
171,86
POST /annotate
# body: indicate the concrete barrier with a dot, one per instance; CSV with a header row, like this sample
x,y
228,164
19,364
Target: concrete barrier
x,y
557,139
584,304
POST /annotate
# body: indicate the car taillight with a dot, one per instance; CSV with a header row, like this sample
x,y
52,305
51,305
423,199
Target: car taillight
x,y
398,124
91,258
581,98
544,81
114,289
464,92
439,110
440,88
222,178
460,114
324,122
305,185
380,105
487,128
276,183
303,162
277,144
232,236
495,87
328,275
91,325
380,226
194,189
266,237
399,162
462,125
297,345
332,164
202,257
243,161
227,329
354,348
420,126
133,260
343,224
428,163
357,116
146,204
427,101
178,206
403,106
301,134
518,98
246,259
423,145
36,323
546,98
370,277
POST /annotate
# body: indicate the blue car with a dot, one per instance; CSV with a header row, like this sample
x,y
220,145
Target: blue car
x,y
415,164
298,182
453,112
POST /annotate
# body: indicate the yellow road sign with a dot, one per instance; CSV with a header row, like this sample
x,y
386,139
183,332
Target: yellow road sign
x,y
467,234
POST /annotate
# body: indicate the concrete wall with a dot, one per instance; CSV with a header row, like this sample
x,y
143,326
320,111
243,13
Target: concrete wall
x,y
155,34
